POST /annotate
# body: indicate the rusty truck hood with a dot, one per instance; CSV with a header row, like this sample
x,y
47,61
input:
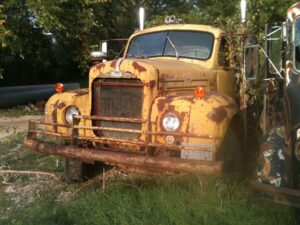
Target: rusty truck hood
x,y
171,74
174,69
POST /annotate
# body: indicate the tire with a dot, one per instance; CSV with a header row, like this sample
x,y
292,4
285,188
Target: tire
x,y
77,171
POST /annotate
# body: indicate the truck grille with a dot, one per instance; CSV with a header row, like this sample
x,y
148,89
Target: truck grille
x,y
118,98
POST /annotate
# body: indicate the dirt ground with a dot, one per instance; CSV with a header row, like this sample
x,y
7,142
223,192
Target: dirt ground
x,y
14,125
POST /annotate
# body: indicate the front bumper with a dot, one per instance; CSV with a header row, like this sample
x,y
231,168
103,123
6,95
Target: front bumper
x,y
136,161
129,161
285,196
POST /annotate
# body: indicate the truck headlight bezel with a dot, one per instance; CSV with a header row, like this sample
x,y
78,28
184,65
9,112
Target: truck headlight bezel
x,y
69,112
170,122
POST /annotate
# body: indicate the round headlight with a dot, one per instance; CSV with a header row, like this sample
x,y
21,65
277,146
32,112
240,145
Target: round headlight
x,y
170,122
70,112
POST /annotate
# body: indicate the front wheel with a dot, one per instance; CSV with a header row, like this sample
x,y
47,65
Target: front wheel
x,y
77,171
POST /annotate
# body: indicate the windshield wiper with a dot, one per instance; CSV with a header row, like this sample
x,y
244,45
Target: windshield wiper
x,y
173,46
136,56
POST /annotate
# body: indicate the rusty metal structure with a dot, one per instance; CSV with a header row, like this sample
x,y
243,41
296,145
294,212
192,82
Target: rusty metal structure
x,y
164,107
278,173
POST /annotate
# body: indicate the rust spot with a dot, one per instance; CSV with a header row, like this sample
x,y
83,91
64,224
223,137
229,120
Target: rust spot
x,y
113,63
100,66
138,67
81,92
167,99
152,83
163,101
190,99
171,108
61,105
218,114
232,106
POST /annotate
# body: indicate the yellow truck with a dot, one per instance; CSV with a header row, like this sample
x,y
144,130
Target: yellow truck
x,y
165,106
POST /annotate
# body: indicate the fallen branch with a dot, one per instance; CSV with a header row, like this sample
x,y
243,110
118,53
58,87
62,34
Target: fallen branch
x,y
28,172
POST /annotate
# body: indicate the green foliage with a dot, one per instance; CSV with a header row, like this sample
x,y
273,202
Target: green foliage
x,y
48,41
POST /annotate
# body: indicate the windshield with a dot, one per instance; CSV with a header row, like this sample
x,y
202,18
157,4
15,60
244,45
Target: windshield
x,y
187,44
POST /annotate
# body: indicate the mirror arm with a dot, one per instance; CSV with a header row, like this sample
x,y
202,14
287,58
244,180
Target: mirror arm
x,y
273,32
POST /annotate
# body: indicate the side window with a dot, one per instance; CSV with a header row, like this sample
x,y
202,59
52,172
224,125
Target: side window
x,y
224,58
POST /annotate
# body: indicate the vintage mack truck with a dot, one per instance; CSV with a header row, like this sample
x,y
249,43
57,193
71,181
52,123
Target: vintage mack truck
x,y
164,107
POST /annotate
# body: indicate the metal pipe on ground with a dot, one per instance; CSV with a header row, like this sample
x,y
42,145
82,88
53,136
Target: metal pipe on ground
x,y
18,95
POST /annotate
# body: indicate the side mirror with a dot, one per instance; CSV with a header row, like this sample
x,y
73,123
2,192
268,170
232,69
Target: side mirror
x,y
98,56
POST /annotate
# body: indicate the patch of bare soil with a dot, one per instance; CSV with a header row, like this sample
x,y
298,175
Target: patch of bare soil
x,y
13,125
23,191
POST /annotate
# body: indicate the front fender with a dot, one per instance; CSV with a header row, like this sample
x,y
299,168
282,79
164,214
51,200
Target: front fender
x,y
59,102
207,118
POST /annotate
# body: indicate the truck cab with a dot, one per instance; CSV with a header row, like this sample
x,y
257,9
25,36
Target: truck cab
x,y
166,106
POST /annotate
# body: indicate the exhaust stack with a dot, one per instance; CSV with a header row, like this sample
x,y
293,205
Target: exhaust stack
x,y
243,10
142,18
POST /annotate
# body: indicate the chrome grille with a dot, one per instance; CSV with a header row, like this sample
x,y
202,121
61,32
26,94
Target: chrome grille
x,y
118,98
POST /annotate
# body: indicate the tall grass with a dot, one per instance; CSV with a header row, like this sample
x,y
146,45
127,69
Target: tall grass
x,y
137,200
163,200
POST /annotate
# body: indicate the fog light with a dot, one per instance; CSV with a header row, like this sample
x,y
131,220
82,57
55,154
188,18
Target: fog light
x,y
170,139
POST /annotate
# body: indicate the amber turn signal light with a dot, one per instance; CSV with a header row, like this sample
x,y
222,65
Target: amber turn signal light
x,y
59,87
199,92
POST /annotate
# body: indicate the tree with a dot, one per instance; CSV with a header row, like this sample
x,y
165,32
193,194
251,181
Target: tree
x,y
50,40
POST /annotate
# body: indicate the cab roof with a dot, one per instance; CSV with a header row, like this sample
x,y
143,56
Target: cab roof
x,y
194,27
